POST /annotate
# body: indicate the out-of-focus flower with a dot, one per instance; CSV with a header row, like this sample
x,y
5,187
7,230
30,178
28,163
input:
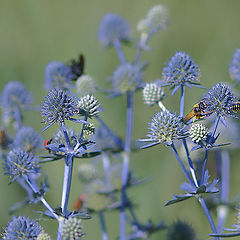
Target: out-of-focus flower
x,y
85,85
164,128
14,96
87,172
152,94
22,228
234,68
43,236
58,75
180,70
20,163
28,139
113,28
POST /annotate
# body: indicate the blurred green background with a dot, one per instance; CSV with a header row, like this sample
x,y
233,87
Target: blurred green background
x,y
36,32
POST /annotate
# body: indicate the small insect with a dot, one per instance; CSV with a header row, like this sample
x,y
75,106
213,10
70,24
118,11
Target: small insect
x,y
3,139
77,66
47,142
78,204
235,107
198,112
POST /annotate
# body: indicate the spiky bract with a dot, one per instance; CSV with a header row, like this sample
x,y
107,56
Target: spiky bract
x,y
88,106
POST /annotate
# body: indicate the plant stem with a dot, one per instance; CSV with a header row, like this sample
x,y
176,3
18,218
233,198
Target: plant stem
x,y
64,131
182,101
204,167
209,217
181,164
42,199
117,140
222,210
17,116
215,126
67,182
127,150
118,47
85,119
103,226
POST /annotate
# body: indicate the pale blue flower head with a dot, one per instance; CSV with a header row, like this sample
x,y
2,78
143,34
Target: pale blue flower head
x,y
15,95
181,70
58,75
22,228
113,28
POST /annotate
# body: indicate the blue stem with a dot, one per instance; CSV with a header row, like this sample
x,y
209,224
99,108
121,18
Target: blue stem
x,y
118,47
85,119
64,130
224,193
103,226
182,101
44,202
17,116
23,184
204,167
127,150
181,164
117,140
67,182
209,217
215,126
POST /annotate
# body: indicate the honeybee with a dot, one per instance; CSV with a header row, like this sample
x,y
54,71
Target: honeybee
x,y
198,112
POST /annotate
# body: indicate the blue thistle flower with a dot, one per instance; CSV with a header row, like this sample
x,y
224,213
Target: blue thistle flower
x,y
127,77
164,128
57,106
219,100
234,68
58,75
113,28
20,163
22,228
181,70
28,139
14,96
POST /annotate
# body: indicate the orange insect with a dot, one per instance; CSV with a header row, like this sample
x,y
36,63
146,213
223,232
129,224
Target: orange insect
x,y
198,112
78,204
47,142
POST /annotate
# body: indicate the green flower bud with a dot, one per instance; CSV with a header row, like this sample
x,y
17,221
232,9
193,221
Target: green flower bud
x,y
89,129
88,106
152,94
198,132
43,236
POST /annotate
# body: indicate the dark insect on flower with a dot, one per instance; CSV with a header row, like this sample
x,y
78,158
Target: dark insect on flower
x,y
221,100
57,106
20,163
58,75
22,228
198,112
113,28
181,70
235,107
77,67
4,139
164,128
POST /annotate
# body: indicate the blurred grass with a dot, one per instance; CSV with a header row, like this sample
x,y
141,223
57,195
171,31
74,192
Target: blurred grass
x,y
36,32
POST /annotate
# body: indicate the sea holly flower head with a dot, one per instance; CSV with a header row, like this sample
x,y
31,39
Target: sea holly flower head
x,y
43,236
22,228
57,106
234,68
85,85
127,77
71,229
88,106
156,19
28,139
58,75
152,94
180,70
113,28
15,95
198,132
20,163
164,128
87,172
220,100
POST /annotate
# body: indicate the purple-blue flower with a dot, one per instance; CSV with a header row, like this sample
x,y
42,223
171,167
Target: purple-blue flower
x,y
113,28
58,75
22,228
